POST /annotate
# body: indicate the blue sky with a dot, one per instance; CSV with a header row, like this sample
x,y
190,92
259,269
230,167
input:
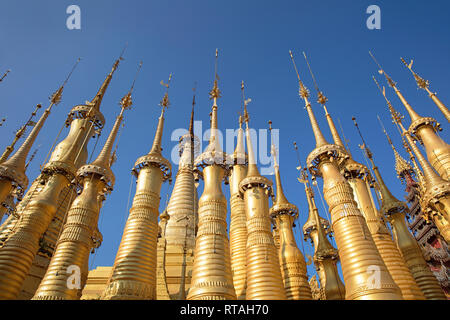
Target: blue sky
x,y
253,38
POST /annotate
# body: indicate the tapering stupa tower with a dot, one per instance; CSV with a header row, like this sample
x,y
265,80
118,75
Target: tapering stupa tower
x,y
68,270
435,191
12,170
292,261
388,250
8,188
211,276
238,218
264,279
134,272
424,130
360,258
180,228
19,134
41,213
424,84
359,177
395,211
325,256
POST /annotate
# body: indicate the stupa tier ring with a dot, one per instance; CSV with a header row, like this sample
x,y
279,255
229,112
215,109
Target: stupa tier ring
x,y
334,152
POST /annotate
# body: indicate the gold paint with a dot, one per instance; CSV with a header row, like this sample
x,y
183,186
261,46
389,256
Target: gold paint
x,y
238,218
356,247
292,261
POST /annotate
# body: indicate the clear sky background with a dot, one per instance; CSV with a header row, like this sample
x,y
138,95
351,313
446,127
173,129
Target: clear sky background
x,y
253,38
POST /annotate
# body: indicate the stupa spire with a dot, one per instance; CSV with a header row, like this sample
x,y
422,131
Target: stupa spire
x,y
412,113
325,256
424,129
435,201
322,99
264,279
19,133
280,197
13,169
97,100
424,84
212,249
292,261
304,94
238,219
82,219
134,272
348,223
252,167
164,103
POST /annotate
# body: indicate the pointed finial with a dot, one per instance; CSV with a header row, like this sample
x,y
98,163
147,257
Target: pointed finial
x,y
401,165
55,98
164,103
32,157
4,75
191,123
396,116
19,134
364,145
126,102
96,101
421,82
303,91
281,204
381,71
215,92
321,98
245,102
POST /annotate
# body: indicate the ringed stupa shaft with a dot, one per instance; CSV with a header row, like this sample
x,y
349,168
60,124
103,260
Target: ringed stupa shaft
x,y
180,228
68,270
292,261
134,272
211,276
264,279
238,218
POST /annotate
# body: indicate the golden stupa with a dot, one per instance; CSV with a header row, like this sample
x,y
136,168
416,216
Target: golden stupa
x,y
192,249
